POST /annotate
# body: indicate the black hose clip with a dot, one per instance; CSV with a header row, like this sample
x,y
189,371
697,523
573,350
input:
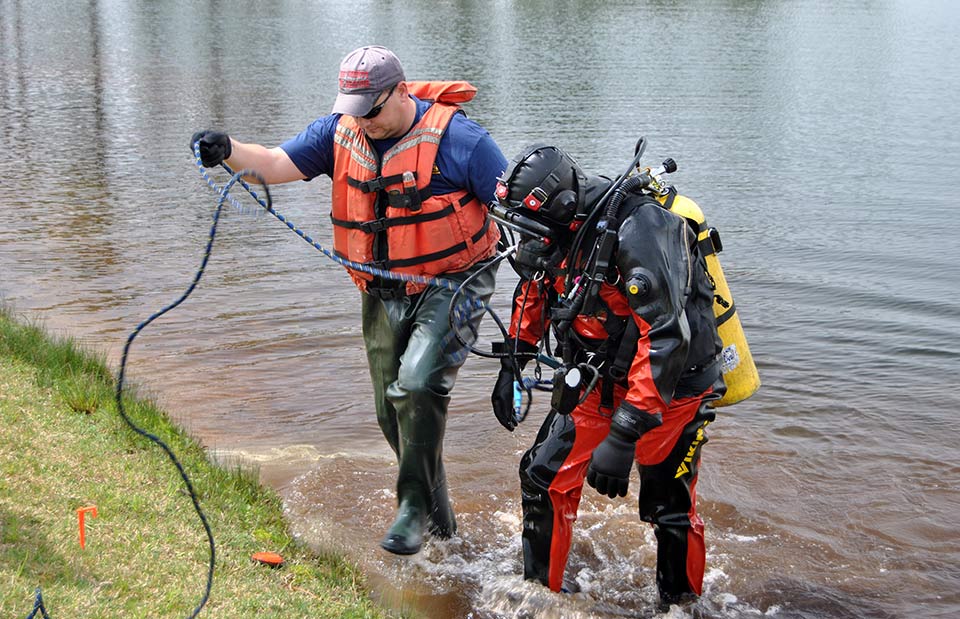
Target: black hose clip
x,y
571,386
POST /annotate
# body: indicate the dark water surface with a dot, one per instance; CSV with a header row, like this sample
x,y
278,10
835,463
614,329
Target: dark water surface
x,y
820,138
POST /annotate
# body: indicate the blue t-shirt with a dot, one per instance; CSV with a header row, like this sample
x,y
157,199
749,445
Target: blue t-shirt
x,y
467,156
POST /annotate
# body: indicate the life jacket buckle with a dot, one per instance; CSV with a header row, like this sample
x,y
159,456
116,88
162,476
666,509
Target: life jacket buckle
x,y
374,226
371,185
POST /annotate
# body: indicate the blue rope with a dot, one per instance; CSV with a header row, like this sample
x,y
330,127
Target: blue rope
x,y
461,312
38,602
356,266
152,437
38,606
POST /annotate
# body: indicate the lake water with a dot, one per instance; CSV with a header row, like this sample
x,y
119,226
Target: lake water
x,y
820,138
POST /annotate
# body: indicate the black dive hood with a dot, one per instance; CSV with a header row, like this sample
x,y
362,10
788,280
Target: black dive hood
x,y
595,188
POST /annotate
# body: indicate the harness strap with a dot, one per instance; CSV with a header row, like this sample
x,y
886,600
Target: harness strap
x,y
379,225
437,255
726,315
671,197
706,247
626,351
375,184
606,393
409,199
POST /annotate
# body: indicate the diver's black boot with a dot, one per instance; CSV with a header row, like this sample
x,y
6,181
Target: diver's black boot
x,y
665,600
405,536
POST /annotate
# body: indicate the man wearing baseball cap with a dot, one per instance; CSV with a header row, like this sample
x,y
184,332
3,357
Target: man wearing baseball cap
x,y
364,74
411,180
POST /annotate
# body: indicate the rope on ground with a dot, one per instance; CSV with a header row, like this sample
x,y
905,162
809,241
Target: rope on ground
x,y
224,193
461,313
38,607
152,437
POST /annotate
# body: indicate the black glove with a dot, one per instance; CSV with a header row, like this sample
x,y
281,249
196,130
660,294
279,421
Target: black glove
x,y
609,470
214,147
502,396
502,399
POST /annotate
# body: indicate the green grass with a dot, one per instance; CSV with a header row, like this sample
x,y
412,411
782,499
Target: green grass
x,y
63,446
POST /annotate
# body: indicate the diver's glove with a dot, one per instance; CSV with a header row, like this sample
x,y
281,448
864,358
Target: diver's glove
x,y
609,470
502,396
215,147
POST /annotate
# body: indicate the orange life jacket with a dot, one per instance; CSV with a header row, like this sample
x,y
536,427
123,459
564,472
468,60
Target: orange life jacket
x,y
425,234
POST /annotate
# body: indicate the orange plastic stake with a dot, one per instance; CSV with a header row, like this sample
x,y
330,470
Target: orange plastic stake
x,y
268,558
80,514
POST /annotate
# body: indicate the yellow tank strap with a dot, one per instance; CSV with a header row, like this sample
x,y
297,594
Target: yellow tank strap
x,y
705,235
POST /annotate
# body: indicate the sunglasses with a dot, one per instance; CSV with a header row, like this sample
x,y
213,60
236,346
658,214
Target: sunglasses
x,y
375,110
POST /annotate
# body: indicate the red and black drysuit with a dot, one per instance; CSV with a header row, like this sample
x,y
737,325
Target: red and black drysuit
x,y
657,352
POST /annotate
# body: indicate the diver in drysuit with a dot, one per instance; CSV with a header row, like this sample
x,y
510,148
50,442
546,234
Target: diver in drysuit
x,y
633,321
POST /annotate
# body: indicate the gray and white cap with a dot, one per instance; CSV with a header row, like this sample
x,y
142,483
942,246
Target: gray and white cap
x,y
364,74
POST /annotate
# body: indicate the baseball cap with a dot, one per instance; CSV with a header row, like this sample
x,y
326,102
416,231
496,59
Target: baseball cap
x,y
364,74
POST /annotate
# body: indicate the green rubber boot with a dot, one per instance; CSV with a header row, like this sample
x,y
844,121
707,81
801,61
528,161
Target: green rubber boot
x,y
413,364
405,536
443,524
421,482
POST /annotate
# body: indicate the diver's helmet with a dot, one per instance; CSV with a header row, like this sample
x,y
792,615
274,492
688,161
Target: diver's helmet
x,y
546,183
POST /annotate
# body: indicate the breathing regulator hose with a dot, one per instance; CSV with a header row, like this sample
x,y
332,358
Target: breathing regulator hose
x,y
613,207
583,284
585,292
461,312
595,212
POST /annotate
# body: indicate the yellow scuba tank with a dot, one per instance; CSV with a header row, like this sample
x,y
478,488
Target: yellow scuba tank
x,y
739,371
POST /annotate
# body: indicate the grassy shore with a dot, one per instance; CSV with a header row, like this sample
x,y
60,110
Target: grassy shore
x,y
63,446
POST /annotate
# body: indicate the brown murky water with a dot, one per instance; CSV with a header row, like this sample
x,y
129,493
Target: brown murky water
x,y
821,140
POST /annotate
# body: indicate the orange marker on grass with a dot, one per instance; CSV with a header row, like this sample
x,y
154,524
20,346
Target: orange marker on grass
x,y
80,514
268,558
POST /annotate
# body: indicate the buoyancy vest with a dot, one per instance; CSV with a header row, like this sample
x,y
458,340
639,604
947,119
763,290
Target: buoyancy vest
x,y
384,214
